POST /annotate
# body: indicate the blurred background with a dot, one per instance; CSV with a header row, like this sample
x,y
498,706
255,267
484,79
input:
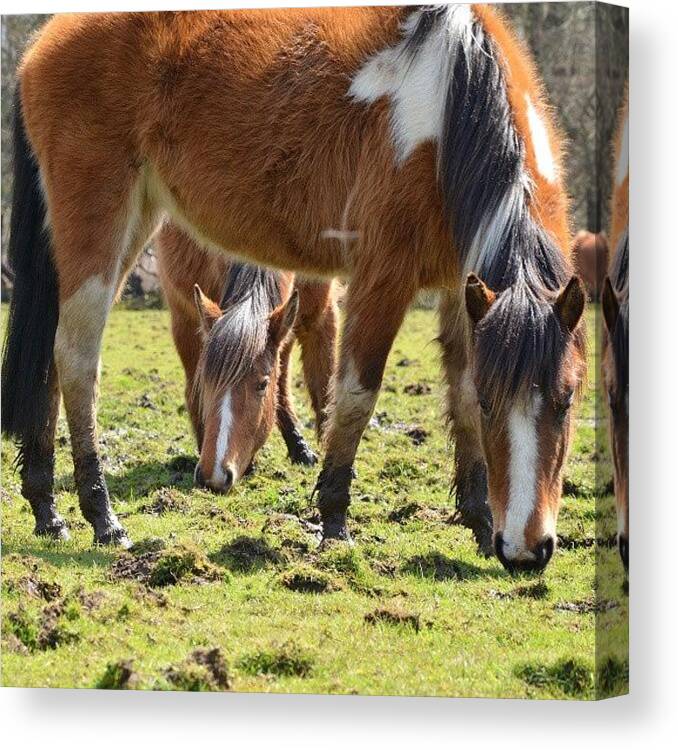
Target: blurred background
x,y
581,50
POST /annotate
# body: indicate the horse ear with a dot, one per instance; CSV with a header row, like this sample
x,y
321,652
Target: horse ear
x,y
479,298
283,318
570,304
610,305
209,311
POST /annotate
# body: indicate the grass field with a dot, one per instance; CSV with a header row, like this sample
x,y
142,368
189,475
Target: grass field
x,y
231,592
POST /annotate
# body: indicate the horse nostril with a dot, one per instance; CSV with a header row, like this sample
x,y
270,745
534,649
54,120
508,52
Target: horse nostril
x,y
229,478
624,550
198,478
544,552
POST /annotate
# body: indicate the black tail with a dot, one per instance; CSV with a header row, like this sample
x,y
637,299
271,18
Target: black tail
x,y
28,354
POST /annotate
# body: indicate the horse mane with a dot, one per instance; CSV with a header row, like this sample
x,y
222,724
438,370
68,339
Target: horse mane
x,y
239,336
487,192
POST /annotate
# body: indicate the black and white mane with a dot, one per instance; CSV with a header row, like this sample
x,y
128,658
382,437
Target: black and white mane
x,y
487,193
239,336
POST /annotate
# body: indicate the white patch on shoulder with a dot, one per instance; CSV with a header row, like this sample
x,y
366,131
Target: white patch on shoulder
x,y
622,170
225,425
541,145
417,86
523,458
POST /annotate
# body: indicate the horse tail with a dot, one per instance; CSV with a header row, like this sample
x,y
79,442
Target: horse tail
x,y
28,353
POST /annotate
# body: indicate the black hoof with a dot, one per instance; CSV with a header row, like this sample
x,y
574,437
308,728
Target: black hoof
x,y
56,529
334,528
303,455
114,537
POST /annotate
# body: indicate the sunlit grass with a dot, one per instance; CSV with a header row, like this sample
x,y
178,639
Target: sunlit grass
x,y
284,616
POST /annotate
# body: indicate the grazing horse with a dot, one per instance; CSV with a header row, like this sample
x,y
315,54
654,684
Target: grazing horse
x,y
590,256
615,342
236,354
403,148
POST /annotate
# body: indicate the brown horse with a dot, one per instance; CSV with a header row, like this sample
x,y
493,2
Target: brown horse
x,y
615,343
403,148
590,256
236,354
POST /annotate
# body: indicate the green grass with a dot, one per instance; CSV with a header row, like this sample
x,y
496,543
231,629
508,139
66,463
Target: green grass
x,y
232,593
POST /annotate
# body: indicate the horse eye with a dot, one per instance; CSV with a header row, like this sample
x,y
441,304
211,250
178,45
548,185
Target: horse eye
x,y
262,385
485,407
564,406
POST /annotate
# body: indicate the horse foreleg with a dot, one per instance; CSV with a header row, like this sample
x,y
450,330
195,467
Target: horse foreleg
x,y
470,479
298,449
374,313
317,335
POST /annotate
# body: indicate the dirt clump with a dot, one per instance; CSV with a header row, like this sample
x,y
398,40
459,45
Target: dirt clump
x,y
38,588
166,500
134,567
417,389
309,580
204,670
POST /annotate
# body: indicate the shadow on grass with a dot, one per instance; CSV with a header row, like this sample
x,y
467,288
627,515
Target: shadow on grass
x,y
97,557
143,477
147,476
246,554
439,567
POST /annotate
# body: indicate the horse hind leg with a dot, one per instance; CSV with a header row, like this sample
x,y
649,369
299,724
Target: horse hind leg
x,y
37,470
470,478
316,332
298,449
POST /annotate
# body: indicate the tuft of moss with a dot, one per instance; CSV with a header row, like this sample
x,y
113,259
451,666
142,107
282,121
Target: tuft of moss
x,y
247,554
118,675
340,559
180,562
205,670
148,544
284,660
23,626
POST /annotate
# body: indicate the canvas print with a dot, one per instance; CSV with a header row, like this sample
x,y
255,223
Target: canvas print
x,y
315,371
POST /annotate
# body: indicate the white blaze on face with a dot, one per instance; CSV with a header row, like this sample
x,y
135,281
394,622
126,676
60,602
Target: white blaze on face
x,y
541,144
417,86
523,462
225,425
622,170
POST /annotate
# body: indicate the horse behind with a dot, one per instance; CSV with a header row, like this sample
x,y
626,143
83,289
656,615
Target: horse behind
x,y
236,353
401,148
590,257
